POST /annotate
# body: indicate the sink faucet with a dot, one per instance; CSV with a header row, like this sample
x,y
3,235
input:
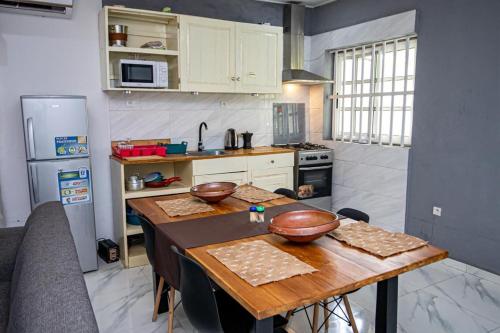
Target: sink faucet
x,y
200,141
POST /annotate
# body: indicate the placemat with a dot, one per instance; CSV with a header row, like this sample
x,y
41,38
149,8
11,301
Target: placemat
x,y
258,262
375,240
254,194
207,230
184,206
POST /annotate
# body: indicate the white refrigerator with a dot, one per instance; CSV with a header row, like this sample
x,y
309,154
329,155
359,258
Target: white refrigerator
x,y
57,154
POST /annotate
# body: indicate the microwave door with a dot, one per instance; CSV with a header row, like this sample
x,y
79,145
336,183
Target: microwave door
x,y
137,73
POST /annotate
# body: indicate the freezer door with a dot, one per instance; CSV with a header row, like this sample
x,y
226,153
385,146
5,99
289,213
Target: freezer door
x,y
55,127
70,180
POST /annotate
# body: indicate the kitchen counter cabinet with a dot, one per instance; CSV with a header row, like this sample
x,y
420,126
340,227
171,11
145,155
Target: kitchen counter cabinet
x,y
272,179
266,167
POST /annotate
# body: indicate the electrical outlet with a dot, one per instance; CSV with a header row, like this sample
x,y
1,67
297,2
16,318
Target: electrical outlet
x,y
436,211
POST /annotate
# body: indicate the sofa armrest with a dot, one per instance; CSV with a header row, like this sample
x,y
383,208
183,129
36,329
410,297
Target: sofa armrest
x,y
10,240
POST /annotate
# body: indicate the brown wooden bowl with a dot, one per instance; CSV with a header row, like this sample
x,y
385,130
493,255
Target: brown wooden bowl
x,y
303,226
213,192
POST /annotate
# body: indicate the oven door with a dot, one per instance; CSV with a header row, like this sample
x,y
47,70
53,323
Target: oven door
x,y
314,181
137,73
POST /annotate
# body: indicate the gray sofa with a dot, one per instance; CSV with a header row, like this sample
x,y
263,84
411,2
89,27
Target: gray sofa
x,y
41,284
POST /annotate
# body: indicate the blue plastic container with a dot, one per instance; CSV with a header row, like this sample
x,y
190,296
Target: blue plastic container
x,y
177,148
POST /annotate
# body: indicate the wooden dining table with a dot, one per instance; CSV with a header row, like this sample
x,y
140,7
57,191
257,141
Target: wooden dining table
x,y
340,269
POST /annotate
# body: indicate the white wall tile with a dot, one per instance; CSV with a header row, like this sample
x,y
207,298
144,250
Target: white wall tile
x,y
177,115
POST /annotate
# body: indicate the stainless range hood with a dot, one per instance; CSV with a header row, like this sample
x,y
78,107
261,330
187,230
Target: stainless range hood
x,y
293,48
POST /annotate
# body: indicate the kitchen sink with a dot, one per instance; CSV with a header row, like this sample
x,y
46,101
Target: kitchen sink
x,y
211,152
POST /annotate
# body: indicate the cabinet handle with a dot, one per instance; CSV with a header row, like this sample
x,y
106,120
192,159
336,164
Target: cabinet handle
x,y
272,161
238,78
233,78
252,74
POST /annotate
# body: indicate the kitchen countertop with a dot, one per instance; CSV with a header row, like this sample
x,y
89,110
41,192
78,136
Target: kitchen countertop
x,y
186,158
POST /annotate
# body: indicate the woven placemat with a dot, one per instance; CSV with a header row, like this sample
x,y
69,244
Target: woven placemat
x,y
184,206
375,240
258,262
254,194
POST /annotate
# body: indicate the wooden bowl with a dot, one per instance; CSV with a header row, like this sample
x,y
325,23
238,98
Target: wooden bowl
x,y
303,226
213,192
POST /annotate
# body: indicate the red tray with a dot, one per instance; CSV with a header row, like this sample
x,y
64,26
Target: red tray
x,y
146,150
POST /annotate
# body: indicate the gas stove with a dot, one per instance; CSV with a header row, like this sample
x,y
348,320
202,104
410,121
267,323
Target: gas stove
x,y
309,153
302,146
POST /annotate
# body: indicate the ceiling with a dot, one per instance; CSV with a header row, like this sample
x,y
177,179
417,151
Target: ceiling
x,y
307,3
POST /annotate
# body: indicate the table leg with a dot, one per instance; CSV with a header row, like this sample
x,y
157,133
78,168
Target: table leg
x,y
386,316
263,326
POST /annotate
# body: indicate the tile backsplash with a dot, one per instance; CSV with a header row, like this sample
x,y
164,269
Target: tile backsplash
x,y
178,115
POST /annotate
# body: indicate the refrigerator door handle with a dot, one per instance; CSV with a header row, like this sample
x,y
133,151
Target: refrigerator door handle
x,y
34,183
31,138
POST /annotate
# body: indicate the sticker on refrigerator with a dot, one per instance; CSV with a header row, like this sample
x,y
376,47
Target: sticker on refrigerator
x,y
74,186
71,145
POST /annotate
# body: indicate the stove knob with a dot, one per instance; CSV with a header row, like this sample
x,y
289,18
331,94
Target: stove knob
x,y
311,158
324,157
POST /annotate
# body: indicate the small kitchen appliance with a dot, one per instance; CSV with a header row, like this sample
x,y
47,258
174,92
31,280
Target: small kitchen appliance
x,y
142,73
108,250
247,140
231,139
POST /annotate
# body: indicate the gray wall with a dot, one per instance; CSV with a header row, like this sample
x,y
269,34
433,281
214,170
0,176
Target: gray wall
x,y
454,160
249,11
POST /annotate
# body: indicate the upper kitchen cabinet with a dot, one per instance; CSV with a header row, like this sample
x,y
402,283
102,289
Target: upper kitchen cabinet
x,y
207,54
259,54
224,56
142,26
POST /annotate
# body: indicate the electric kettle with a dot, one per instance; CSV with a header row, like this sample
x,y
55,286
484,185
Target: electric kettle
x,y
231,139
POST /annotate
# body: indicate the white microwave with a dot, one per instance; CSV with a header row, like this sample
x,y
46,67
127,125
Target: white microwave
x,y
142,74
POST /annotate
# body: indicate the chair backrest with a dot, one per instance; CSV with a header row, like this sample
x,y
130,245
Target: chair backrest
x,y
354,214
287,193
149,238
198,299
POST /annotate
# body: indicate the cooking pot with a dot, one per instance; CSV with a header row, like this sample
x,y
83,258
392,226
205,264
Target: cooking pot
x,y
134,183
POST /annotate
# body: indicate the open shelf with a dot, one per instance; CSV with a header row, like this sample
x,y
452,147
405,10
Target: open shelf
x,y
143,26
137,255
174,188
133,229
144,89
141,50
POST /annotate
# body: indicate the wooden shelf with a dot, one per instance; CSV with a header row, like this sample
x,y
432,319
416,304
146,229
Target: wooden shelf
x,y
141,14
174,188
143,89
133,229
137,256
143,50
143,26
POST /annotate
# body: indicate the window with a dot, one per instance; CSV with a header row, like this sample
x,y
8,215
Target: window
x,y
374,88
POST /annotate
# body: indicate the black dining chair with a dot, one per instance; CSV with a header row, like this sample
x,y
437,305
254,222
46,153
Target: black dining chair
x,y
287,193
149,240
348,317
209,309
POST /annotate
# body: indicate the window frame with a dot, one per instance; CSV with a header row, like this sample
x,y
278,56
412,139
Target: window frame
x,y
378,51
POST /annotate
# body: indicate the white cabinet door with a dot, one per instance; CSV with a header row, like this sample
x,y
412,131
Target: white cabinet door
x,y
259,54
235,177
219,165
271,161
207,51
272,179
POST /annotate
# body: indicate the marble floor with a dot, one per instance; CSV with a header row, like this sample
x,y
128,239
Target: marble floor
x,y
448,296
